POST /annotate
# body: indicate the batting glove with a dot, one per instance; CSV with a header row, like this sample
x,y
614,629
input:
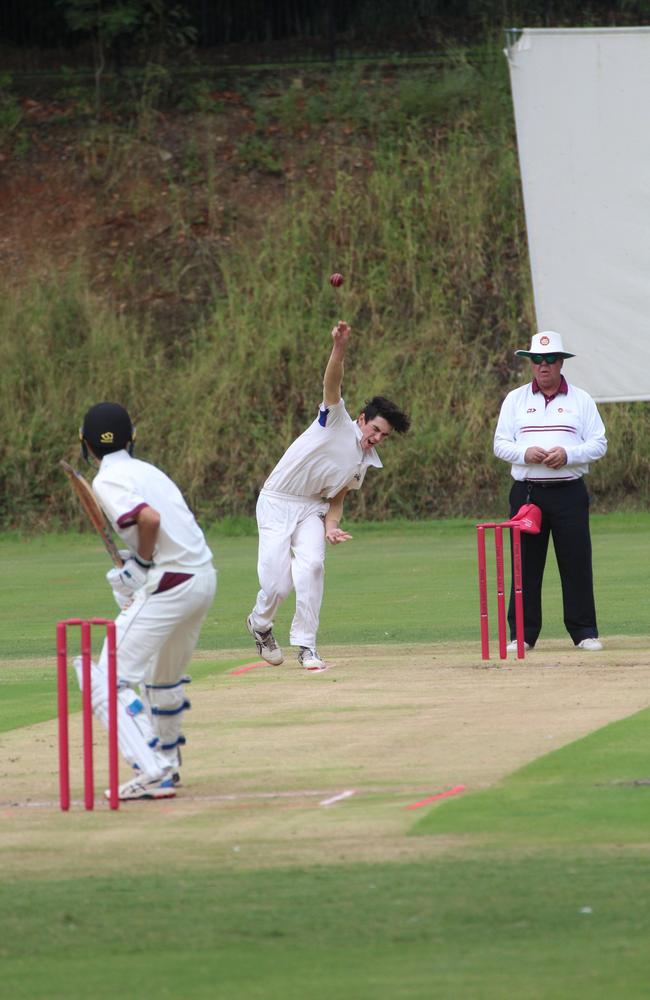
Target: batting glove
x,y
123,595
132,575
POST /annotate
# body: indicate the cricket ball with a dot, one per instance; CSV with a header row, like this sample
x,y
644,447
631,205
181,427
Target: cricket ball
x,y
336,279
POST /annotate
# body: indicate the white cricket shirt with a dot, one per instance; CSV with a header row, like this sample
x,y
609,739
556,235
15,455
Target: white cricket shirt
x,y
124,485
570,421
325,458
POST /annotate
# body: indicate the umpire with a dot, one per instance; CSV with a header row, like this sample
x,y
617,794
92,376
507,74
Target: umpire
x,y
549,431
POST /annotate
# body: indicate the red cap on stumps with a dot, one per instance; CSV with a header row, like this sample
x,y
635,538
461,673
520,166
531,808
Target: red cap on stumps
x,y
528,518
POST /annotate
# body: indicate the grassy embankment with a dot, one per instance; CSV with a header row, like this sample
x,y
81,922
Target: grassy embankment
x,y
214,329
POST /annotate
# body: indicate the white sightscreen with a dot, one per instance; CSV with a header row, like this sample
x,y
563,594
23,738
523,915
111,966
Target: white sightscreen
x,y
582,112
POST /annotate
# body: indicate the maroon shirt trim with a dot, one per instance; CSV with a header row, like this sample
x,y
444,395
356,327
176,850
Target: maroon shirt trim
x,y
129,519
562,391
170,580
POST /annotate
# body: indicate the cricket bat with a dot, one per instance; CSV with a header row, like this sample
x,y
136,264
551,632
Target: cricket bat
x,y
92,510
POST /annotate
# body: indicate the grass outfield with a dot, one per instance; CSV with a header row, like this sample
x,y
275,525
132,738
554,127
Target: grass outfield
x,y
532,883
541,927
417,582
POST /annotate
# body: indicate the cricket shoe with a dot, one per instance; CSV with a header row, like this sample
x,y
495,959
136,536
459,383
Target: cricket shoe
x,y
267,647
512,646
591,643
176,776
142,787
310,660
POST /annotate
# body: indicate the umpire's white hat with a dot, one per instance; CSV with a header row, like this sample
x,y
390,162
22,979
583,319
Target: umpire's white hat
x,y
547,342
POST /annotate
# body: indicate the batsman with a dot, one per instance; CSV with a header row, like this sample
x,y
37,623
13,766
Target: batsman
x,y
164,590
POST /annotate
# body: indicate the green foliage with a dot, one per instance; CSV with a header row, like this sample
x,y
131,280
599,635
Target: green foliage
x,y
254,153
150,87
413,193
153,25
440,99
77,351
10,111
148,28
107,20
290,107
198,95
105,25
163,29
74,89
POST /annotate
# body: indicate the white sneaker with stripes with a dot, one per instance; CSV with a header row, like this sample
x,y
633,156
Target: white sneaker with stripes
x,y
142,787
310,660
267,647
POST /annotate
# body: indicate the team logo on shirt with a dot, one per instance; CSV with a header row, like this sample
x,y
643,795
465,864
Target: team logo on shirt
x,y
531,409
357,476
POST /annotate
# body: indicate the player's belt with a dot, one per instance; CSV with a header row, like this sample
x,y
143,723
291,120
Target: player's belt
x,y
297,497
547,484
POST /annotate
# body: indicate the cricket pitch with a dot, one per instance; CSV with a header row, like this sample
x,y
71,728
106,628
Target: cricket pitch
x,y
288,768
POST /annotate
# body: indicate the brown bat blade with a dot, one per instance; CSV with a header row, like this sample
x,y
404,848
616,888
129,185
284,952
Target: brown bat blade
x,y
92,510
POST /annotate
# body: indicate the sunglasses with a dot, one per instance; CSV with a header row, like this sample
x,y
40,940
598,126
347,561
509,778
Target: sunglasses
x,y
539,359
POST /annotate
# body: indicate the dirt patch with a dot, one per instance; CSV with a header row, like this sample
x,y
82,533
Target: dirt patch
x,y
268,749
128,202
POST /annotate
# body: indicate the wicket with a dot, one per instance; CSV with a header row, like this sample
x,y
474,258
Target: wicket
x,y
86,697
501,598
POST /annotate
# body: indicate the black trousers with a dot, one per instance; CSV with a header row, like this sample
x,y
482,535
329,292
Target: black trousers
x,y
565,516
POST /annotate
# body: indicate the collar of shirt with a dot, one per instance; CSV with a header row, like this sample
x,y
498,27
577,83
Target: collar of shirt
x,y
370,457
562,390
115,456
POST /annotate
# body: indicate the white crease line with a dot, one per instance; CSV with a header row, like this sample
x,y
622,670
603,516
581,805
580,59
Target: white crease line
x,y
337,798
49,804
232,797
239,796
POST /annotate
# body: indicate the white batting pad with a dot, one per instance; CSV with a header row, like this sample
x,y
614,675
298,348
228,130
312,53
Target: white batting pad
x,y
135,735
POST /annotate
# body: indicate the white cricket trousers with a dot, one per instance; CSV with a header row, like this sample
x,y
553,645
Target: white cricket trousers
x,y
156,636
157,633
291,556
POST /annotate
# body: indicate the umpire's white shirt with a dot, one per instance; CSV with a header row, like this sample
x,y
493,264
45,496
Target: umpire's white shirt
x,y
124,485
325,458
570,421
